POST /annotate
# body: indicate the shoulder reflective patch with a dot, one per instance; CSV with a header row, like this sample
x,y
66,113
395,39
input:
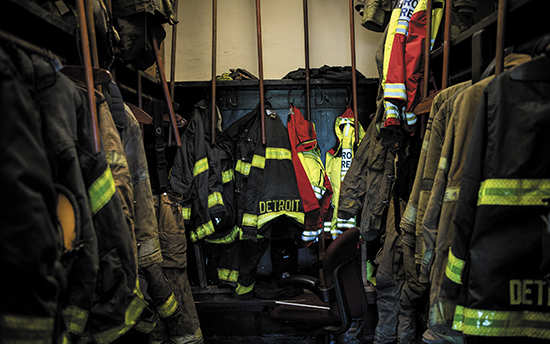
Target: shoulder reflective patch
x,y
169,307
451,194
521,192
479,322
75,319
454,268
278,153
102,190
200,167
228,176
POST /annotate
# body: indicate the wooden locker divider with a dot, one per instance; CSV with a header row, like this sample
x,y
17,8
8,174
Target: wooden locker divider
x,y
260,68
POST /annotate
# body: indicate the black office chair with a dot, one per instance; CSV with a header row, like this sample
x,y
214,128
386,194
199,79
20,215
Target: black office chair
x,y
332,306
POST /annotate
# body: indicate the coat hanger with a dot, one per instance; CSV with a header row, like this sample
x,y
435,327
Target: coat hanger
x,y
537,69
100,75
141,116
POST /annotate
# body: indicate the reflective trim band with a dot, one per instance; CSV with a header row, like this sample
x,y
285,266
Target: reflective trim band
x,y
451,194
522,192
215,198
75,319
241,289
186,213
26,329
250,220
411,118
454,267
481,322
200,167
243,167
134,310
425,144
145,326
334,233
102,190
442,164
228,275
458,319
410,213
258,161
202,231
402,30
273,153
310,235
229,238
148,247
267,217
117,159
169,307
228,176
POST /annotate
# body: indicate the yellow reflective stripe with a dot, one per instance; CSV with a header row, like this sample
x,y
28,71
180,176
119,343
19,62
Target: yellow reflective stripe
x,y
442,163
451,194
75,319
522,192
202,231
278,153
169,307
186,213
410,213
228,275
145,326
454,267
200,167
117,159
229,238
458,319
102,190
134,310
243,167
26,329
241,289
258,161
480,322
228,176
215,198
425,144
265,218
250,220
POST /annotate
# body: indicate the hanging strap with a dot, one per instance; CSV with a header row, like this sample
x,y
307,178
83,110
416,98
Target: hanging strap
x,y
160,146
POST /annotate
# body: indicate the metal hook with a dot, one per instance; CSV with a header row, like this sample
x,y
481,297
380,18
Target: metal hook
x,y
236,101
323,98
348,99
291,103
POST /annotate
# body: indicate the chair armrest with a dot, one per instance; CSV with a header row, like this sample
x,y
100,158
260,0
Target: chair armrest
x,y
300,281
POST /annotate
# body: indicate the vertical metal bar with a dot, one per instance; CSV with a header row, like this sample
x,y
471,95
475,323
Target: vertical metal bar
x,y
427,49
427,59
306,48
353,73
89,8
88,72
214,52
260,68
447,43
173,56
166,91
501,28
481,54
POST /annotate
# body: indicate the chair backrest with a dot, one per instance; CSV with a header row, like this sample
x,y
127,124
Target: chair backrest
x,y
344,249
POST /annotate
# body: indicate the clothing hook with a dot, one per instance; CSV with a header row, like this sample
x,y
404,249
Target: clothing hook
x,y
236,102
323,98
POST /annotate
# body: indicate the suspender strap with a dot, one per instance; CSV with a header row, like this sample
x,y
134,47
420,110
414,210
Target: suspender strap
x,y
160,146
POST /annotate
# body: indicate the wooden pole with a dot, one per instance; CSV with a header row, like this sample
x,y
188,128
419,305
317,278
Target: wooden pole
x,y
260,69
173,56
306,48
447,43
214,52
501,28
166,91
88,72
427,49
353,73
